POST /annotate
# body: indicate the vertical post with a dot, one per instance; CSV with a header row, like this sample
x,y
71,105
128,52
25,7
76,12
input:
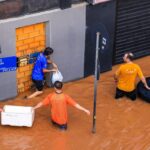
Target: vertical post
x,y
0,50
95,80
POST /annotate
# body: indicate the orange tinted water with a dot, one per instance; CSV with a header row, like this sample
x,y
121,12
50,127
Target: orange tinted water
x,y
121,125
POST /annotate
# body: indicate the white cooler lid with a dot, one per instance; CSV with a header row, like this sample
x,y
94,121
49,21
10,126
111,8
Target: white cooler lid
x,y
17,109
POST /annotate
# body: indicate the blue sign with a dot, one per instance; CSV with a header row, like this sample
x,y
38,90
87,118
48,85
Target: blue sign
x,y
33,57
8,64
104,41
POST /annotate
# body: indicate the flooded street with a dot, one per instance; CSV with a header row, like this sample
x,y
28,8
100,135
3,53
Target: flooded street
x,y
121,124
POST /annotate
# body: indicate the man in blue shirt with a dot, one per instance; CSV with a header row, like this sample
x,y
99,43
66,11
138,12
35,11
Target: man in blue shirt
x,y
40,68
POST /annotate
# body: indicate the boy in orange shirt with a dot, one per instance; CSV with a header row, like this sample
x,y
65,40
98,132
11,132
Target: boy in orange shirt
x,y
125,77
58,102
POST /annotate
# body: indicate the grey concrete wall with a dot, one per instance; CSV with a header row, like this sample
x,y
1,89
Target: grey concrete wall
x,y
7,85
65,33
69,42
7,79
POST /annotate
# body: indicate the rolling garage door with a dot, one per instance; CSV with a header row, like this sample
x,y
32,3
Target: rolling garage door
x,y
132,28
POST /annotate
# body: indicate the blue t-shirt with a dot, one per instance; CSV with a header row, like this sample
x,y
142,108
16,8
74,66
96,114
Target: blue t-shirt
x,y
40,64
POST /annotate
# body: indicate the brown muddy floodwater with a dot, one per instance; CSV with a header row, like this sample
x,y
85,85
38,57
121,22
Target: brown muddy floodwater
x,y
121,125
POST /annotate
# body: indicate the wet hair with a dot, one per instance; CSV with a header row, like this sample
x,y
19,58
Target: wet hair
x,y
48,51
58,85
130,56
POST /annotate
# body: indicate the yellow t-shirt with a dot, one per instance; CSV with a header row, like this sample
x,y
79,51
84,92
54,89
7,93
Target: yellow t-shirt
x,y
127,74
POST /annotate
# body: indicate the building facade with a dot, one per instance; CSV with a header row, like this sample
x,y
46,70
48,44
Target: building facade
x,y
69,27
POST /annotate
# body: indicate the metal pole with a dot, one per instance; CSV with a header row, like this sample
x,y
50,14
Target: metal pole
x,y
95,80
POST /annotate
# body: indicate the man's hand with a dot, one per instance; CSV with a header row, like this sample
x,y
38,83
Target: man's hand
x,y
115,78
53,70
147,87
82,108
145,83
49,61
87,111
33,108
38,106
1,110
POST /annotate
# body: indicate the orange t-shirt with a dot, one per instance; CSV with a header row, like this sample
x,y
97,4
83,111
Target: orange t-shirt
x,y
58,104
127,74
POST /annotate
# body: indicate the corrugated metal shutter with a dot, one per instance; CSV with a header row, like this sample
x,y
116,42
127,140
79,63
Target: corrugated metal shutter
x,y
132,28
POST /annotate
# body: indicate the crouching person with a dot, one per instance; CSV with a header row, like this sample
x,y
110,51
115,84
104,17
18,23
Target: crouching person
x,y
58,102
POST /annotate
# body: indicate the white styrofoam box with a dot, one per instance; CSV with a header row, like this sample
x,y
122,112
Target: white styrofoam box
x,y
17,116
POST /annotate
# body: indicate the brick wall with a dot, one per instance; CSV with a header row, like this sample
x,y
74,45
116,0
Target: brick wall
x,y
29,39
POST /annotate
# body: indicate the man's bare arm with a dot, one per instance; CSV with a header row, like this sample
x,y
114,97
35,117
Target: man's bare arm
x,y
145,83
38,105
82,109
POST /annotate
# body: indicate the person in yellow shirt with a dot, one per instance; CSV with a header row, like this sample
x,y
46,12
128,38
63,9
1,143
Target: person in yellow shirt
x,y
125,78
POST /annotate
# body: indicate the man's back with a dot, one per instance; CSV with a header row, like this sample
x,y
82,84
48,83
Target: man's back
x,y
39,65
127,74
58,103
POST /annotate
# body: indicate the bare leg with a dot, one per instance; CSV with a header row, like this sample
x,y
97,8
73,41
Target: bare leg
x,y
35,94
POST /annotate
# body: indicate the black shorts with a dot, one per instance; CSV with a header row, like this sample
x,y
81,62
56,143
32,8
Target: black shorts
x,y
61,126
39,84
120,93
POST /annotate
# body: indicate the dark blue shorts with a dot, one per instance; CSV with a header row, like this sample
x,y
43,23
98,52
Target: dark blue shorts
x,y
131,95
61,126
39,84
